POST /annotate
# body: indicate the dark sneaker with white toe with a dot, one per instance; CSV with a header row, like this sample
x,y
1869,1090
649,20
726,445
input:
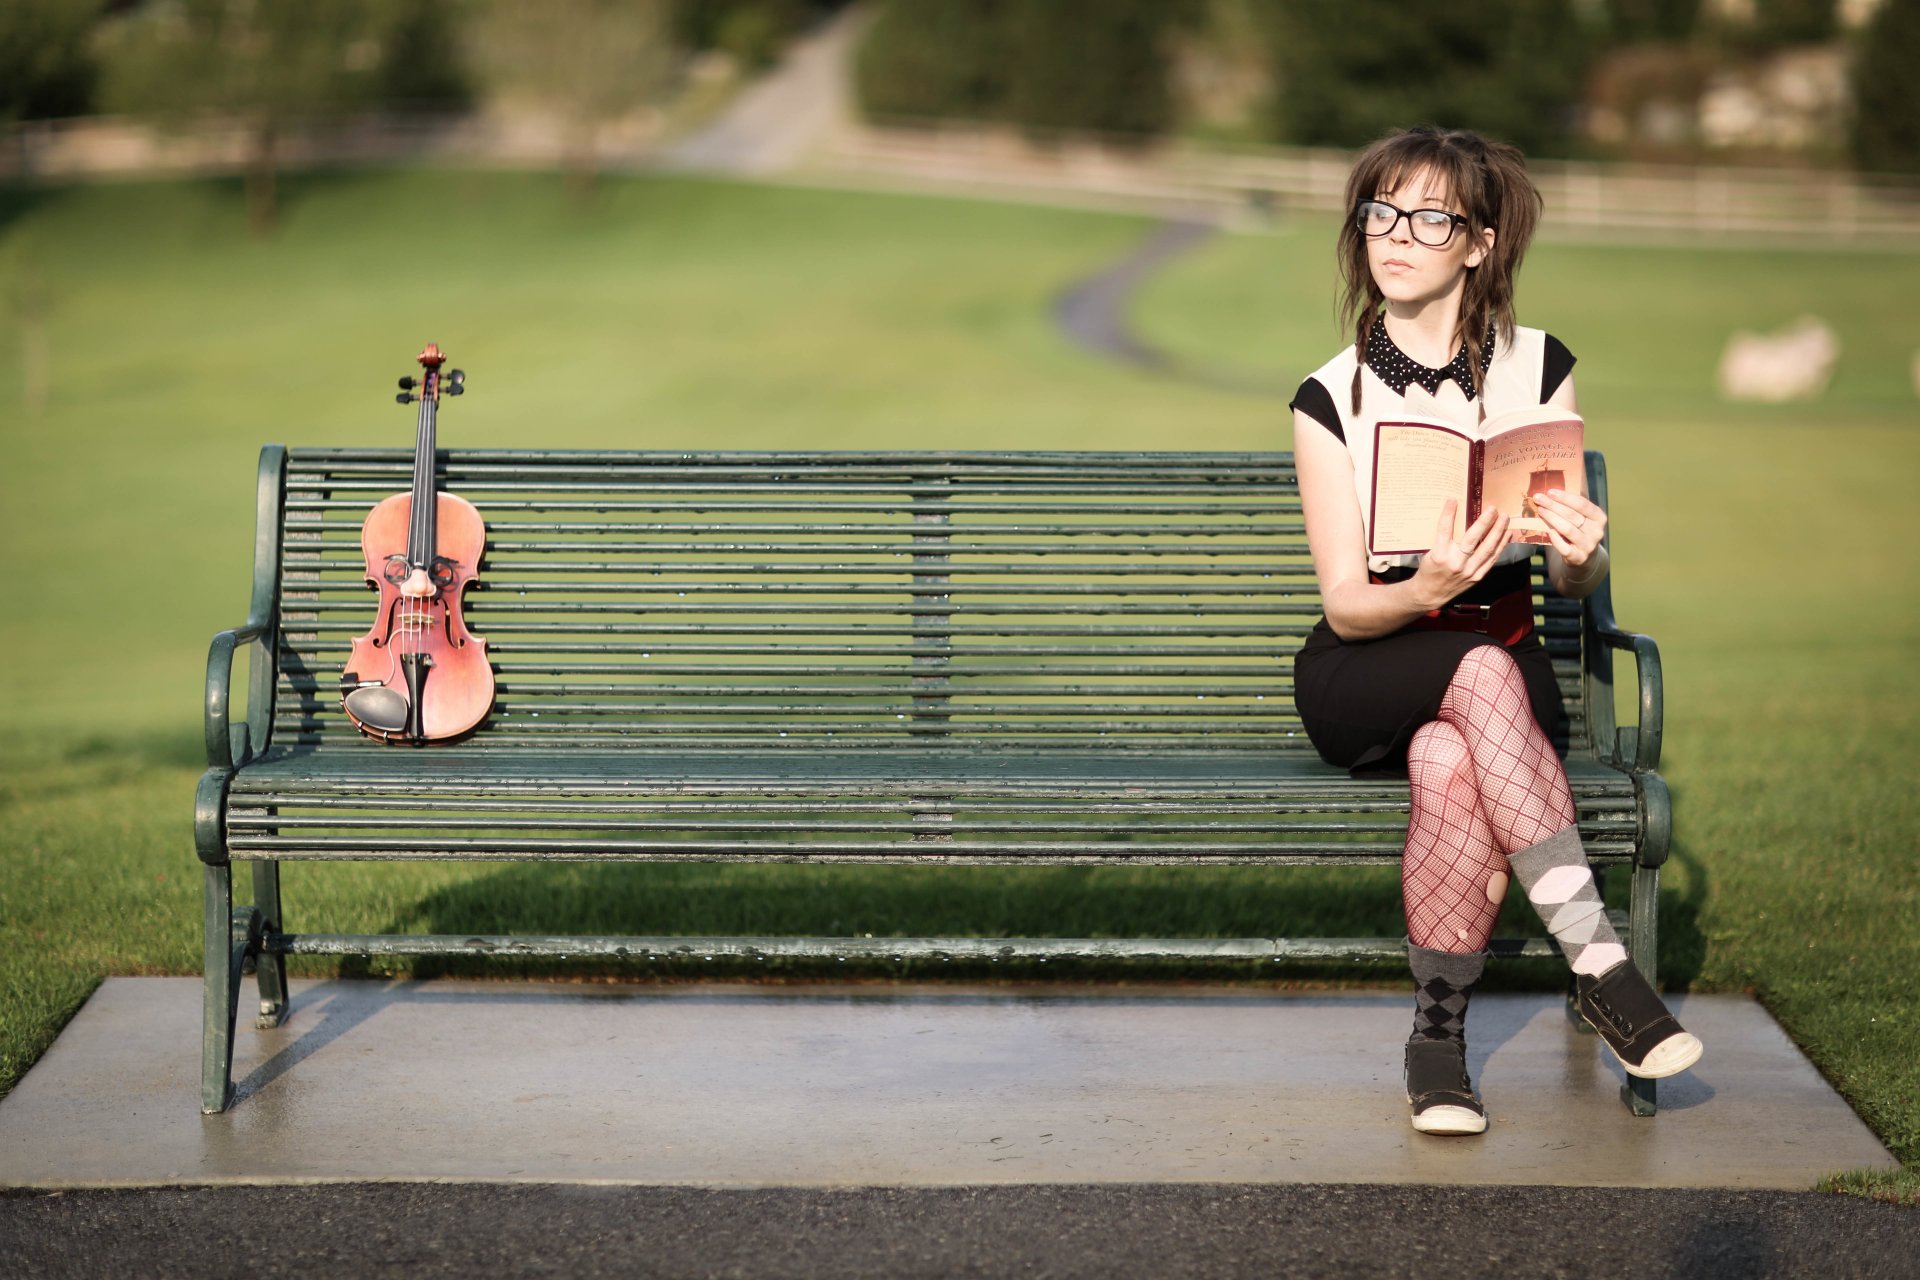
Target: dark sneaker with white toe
x,y
1439,1090
1630,1016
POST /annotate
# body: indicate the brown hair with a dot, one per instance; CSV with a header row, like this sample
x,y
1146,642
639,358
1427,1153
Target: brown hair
x,y
1489,185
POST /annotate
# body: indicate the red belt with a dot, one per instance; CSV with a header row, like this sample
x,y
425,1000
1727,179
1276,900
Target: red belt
x,y
1508,619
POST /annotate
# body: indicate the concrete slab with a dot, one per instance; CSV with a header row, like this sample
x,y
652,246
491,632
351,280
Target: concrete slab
x,y
909,1085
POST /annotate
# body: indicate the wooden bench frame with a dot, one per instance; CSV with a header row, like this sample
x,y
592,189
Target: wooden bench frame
x,y
1240,784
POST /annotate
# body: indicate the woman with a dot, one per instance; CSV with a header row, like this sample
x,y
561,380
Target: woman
x,y
1427,666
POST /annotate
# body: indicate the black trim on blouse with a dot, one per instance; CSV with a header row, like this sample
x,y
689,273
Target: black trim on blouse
x,y
1554,368
1314,400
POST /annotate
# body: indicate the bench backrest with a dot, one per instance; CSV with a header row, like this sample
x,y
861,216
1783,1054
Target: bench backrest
x,y
1119,600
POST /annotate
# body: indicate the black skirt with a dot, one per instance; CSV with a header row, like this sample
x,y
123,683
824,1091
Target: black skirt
x,y
1360,701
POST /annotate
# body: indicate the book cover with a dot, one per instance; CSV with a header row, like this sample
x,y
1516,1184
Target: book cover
x,y
1422,462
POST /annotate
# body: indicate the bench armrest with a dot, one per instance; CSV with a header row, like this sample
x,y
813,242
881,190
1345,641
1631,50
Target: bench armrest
x,y
1637,747
231,745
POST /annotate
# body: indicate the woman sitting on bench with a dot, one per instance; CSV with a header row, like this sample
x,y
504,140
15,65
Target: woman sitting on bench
x,y
1427,666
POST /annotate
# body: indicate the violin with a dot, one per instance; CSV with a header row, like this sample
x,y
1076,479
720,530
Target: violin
x,y
419,675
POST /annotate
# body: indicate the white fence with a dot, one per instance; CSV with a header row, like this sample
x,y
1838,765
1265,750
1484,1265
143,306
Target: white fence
x,y
1584,201
1588,201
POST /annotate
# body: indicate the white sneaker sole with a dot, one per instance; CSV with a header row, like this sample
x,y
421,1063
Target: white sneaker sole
x,y
1668,1058
1449,1120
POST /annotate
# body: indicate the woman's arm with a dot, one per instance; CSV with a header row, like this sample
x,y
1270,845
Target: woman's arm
x,y
1356,608
1576,562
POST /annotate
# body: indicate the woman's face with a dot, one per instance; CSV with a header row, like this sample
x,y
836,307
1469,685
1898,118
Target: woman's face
x,y
1408,271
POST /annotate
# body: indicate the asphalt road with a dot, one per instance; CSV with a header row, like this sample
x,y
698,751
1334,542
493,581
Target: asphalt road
x,y
1111,1232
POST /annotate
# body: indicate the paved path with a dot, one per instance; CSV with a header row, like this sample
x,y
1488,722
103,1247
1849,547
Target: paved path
x,y
1093,313
896,1084
1108,1233
773,123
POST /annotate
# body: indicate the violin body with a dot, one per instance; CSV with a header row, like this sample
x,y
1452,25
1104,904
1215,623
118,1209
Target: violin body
x,y
419,675
458,692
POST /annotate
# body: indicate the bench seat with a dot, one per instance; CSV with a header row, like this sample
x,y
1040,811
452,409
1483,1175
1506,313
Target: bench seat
x,y
928,805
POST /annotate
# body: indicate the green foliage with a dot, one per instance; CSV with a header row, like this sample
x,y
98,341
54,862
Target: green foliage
x,y
1099,65
423,66
1089,64
753,31
1645,21
265,64
1784,22
1885,135
45,67
586,62
1889,1186
1350,70
265,67
934,58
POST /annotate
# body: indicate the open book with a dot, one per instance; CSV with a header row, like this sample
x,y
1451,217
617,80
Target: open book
x,y
1422,461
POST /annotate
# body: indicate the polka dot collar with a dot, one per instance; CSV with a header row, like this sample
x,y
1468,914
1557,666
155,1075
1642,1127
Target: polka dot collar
x,y
1398,370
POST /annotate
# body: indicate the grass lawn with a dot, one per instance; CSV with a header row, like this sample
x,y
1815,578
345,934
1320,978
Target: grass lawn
x,y
679,313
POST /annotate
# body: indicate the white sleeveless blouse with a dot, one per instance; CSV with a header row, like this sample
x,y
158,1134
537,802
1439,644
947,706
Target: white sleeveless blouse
x,y
1512,382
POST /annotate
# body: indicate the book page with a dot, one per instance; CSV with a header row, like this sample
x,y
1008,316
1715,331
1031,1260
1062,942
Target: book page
x,y
1417,468
1529,460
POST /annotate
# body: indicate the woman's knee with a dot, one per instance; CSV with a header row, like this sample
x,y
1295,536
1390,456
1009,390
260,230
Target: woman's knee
x,y
1437,756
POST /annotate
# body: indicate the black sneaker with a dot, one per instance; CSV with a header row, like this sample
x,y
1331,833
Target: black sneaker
x,y
1437,1086
1632,1019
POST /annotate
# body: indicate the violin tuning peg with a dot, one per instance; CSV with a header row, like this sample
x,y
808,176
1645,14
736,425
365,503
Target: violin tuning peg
x,y
456,389
407,384
457,377
404,398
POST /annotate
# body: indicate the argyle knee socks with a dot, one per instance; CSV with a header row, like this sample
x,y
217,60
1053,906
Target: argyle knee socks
x,y
1559,884
1443,982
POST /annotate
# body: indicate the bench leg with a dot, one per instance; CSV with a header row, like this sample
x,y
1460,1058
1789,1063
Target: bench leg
x,y
230,936
270,969
1641,1095
221,995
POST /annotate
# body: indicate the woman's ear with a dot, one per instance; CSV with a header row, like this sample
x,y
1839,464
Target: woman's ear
x,y
1478,254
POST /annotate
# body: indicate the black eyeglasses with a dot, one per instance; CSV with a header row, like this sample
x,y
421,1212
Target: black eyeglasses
x,y
1430,227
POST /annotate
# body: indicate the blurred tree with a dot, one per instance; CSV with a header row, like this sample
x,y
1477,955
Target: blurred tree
x,y
1350,70
1101,65
753,31
45,67
588,62
1886,110
423,57
1090,64
1648,21
268,66
938,58
1784,22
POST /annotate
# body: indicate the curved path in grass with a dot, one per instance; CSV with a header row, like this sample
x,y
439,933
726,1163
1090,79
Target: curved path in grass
x,y
1093,313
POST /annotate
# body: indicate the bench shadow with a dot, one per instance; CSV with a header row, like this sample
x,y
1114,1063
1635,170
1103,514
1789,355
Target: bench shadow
x,y
759,900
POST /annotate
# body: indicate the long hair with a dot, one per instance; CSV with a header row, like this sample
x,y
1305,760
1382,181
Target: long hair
x,y
1490,188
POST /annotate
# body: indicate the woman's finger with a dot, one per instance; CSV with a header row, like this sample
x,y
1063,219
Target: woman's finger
x,y
1489,547
1443,534
1583,511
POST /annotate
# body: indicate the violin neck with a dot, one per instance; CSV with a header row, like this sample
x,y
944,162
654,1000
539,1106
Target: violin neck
x,y
421,533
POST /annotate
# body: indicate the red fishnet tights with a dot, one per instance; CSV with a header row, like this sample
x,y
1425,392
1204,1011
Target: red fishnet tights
x,y
1486,783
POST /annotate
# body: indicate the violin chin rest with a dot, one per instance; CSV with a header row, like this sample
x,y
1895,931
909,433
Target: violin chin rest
x,y
378,707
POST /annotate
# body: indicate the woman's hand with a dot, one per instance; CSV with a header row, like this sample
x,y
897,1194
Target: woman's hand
x,y
1452,566
1574,525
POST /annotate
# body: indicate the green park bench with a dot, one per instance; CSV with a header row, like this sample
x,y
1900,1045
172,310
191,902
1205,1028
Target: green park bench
x,y
837,657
